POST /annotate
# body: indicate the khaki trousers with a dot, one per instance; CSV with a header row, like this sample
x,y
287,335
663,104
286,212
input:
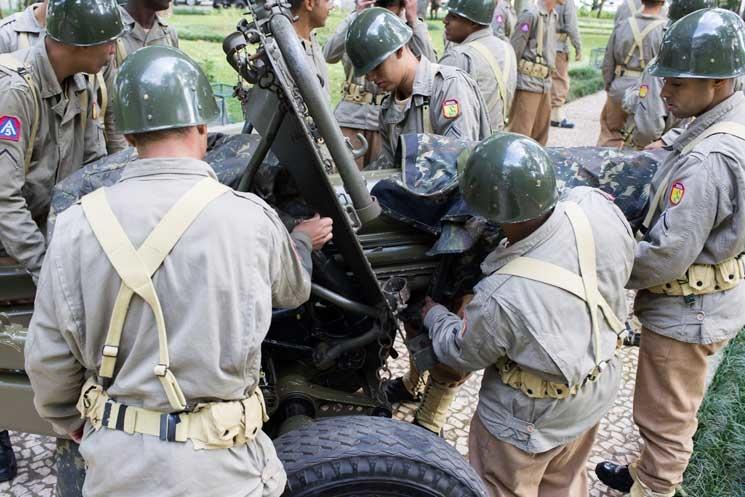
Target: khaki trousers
x,y
510,472
530,115
612,122
670,385
374,144
559,85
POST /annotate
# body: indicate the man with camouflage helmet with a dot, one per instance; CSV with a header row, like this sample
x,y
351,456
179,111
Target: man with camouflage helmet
x,y
424,97
632,45
358,112
688,266
534,41
165,389
567,29
562,266
487,59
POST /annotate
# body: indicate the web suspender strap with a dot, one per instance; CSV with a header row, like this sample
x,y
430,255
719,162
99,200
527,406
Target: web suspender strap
x,y
639,37
103,95
499,73
727,127
10,61
135,268
23,41
121,52
539,38
584,286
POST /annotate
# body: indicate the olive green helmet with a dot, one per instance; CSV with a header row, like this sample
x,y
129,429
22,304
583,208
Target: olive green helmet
x,y
508,178
160,87
706,44
84,22
373,36
681,8
478,11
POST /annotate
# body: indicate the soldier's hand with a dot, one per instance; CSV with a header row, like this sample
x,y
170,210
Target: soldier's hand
x,y
319,230
410,9
364,4
655,145
577,55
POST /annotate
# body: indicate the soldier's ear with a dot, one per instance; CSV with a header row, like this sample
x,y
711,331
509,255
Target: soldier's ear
x,y
309,4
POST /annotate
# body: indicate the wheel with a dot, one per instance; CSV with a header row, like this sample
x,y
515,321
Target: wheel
x,y
362,456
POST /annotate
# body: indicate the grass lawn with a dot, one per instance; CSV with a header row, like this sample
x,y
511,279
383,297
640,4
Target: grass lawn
x,y
201,32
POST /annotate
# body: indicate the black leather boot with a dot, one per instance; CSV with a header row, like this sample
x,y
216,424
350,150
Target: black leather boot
x,y
8,465
615,476
396,391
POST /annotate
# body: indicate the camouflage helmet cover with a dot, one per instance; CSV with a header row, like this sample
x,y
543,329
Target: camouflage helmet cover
x,y
160,87
705,44
478,11
508,178
373,36
84,22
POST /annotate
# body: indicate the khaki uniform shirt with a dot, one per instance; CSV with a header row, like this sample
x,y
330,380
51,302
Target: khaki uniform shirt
x,y
504,20
315,59
20,30
620,43
626,9
470,60
648,118
63,144
705,225
218,286
367,116
543,329
137,37
456,108
524,41
567,25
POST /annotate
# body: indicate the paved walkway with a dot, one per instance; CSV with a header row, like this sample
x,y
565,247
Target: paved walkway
x,y
617,439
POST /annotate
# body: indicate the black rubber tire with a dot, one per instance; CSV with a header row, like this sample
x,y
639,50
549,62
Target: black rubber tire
x,y
362,456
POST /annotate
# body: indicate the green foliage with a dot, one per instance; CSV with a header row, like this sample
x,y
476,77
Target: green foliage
x,y
585,80
719,445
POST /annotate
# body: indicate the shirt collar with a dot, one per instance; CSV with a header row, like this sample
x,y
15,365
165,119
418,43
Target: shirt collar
x,y
505,253
707,119
424,77
163,166
26,22
479,35
48,85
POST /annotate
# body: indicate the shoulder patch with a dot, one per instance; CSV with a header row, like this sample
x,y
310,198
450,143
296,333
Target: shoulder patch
x,y
525,27
499,19
643,90
10,128
451,108
677,192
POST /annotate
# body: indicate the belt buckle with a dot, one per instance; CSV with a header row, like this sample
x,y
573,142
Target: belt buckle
x,y
168,422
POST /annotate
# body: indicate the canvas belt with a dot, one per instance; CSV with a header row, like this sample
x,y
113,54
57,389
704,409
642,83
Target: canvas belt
x,y
533,69
583,286
562,37
211,425
136,267
357,94
622,71
500,73
702,279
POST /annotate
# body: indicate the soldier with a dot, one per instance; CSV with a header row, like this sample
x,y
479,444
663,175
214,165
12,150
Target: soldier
x,y
504,19
24,29
487,59
626,9
566,28
631,46
688,266
139,421
424,97
145,27
310,15
563,266
359,108
648,119
534,41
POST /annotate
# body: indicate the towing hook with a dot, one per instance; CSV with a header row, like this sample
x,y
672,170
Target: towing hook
x,y
358,152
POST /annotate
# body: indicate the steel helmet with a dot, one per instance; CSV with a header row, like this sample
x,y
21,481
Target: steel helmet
x,y
681,8
478,11
373,36
84,22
